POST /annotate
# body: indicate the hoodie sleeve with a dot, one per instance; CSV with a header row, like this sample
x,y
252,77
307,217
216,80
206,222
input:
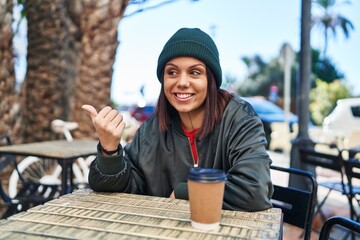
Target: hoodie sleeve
x,y
248,185
119,173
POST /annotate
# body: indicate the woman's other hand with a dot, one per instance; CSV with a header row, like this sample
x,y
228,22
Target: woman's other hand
x,y
172,195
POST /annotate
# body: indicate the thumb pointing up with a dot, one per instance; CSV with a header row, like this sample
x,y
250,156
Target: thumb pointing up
x,y
91,110
108,124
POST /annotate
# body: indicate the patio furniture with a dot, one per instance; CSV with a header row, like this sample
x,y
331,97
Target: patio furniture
x,y
29,194
297,204
352,170
63,151
85,214
346,223
326,157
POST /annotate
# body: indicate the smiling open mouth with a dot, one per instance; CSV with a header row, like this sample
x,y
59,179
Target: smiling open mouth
x,y
183,95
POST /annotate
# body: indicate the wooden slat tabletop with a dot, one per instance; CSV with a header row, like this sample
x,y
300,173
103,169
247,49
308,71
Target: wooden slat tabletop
x,y
85,214
57,149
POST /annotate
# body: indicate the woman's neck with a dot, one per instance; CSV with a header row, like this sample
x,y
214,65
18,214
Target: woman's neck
x,y
192,120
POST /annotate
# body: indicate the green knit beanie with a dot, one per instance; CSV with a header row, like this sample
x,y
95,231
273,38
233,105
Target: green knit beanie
x,y
191,42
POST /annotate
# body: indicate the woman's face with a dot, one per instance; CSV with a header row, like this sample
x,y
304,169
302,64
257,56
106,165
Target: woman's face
x,y
185,84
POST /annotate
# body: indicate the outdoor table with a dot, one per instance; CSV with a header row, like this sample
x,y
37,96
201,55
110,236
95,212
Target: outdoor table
x,y
65,152
85,214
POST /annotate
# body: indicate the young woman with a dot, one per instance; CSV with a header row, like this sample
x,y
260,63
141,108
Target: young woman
x,y
195,124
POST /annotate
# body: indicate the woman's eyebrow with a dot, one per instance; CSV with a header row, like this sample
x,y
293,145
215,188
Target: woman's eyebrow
x,y
198,64
170,64
192,66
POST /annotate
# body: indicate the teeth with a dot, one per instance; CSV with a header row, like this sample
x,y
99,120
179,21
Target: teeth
x,y
183,95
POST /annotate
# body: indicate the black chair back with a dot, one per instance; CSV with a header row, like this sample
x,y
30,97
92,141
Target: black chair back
x,y
326,156
352,170
5,161
29,194
319,159
341,221
297,204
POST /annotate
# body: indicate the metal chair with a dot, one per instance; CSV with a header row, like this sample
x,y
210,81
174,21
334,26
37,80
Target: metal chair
x,y
346,223
297,204
329,157
29,195
352,170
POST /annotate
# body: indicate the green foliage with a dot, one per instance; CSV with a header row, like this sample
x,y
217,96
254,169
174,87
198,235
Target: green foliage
x,y
329,87
324,68
329,20
261,76
323,98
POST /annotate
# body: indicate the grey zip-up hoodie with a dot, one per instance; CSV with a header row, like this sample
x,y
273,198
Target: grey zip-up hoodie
x,y
156,163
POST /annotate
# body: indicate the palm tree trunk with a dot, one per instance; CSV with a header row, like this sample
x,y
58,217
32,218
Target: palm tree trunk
x,y
61,75
8,96
303,92
98,25
48,88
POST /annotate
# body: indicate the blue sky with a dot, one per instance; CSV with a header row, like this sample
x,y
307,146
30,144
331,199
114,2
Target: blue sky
x,y
239,28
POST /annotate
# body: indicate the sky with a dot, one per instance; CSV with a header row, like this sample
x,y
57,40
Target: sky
x,y
239,28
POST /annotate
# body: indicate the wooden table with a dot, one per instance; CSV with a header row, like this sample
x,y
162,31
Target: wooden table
x,y
85,214
63,151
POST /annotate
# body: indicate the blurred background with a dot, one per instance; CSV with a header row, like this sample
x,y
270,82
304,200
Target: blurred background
x,y
241,29
59,55
56,55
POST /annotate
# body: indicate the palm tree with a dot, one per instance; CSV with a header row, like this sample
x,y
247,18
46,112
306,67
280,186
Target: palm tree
x,y
98,26
48,88
71,49
329,21
7,74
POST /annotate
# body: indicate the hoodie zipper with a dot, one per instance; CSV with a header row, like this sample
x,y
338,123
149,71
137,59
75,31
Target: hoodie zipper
x,y
192,153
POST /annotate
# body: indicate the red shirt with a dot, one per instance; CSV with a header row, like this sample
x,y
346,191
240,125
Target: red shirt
x,y
191,136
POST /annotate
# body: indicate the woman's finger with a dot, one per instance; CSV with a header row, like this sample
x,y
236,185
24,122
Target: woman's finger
x,y
90,110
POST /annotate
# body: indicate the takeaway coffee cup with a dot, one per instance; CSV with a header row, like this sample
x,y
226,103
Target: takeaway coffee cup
x,y
206,193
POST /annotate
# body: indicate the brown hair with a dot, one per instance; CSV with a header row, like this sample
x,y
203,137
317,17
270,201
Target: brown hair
x,y
215,104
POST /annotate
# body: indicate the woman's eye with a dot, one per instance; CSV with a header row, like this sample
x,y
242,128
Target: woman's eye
x,y
171,72
195,72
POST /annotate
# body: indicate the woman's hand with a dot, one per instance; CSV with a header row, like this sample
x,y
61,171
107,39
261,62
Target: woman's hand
x,y
172,195
108,124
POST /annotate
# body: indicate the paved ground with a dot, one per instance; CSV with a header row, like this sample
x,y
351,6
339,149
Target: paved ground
x,y
336,204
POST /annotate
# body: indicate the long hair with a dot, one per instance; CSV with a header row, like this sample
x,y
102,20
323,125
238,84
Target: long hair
x,y
215,103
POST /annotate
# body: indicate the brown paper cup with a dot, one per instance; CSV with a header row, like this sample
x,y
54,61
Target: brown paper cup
x,y
206,193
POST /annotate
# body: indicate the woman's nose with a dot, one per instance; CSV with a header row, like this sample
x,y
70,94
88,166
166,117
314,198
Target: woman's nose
x,y
183,81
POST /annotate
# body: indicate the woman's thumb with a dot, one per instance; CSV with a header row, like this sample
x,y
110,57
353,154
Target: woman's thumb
x,y
90,109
